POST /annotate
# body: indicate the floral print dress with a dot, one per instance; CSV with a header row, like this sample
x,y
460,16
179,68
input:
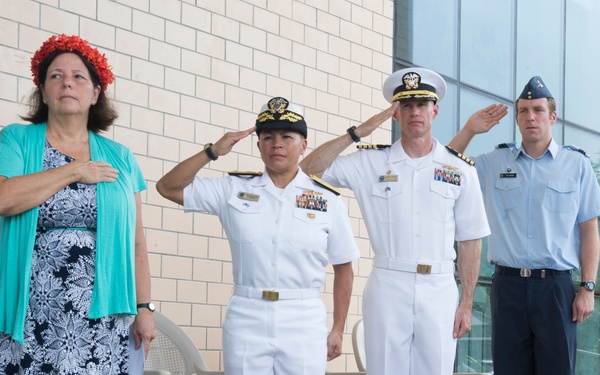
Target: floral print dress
x,y
59,338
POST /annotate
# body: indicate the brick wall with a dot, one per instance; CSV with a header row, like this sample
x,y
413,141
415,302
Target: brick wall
x,y
189,71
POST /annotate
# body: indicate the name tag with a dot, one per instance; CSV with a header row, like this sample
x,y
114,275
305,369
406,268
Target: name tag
x,y
248,196
389,178
508,175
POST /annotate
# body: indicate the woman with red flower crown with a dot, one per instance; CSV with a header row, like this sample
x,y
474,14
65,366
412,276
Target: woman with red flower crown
x,y
73,260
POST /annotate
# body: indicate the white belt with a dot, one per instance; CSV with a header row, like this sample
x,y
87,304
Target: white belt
x,y
274,295
406,266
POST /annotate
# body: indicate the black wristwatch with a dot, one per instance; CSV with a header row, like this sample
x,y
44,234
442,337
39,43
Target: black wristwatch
x,y
588,285
209,152
149,306
353,134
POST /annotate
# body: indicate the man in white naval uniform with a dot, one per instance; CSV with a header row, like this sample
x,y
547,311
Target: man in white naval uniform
x,y
283,227
417,197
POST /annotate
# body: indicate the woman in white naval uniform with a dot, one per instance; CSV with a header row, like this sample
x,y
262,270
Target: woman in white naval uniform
x,y
283,228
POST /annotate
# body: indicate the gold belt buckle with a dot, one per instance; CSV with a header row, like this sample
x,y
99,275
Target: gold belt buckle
x,y
424,269
525,272
270,295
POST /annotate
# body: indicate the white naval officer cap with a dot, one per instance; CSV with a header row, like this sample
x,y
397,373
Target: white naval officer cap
x,y
414,84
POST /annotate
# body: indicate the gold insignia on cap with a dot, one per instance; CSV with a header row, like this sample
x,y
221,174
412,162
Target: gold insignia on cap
x,y
539,84
411,81
277,105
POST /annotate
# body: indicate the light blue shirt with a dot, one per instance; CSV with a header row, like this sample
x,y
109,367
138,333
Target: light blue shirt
x,y
535,206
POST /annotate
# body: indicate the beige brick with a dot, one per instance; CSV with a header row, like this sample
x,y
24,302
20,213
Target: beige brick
x,y
9,113
8,87
135,140
137,4
341,8
304,95
225,72
180,82
304,55
293,30
161,242
198,336
195,109
313,78
360,93
180,35
164,100
239,98
267,20
98,34
239,11
163,148
206,315
328,63
213,358
339,47
9,36
27,12
148,24
224,116
214,338
170,9
165,54
316,39
208,270
279,46
191,291
252,37
238,54
225,28
266,63
177,267
58,21
281,7
177,220
163,289
151,216
179,313
361,54
195,63
328,22
154,263
208,225
209,90
131,92
132,44
350,31
304,14
195,17
227,273
383,25
144,119
112,13
362,17
121,67
192,246
218,249
211,5
210,45
177,127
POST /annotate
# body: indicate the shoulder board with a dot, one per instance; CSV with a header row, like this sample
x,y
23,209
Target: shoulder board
x,y
506,145
575,148
372,147
244,173
325,185
460,156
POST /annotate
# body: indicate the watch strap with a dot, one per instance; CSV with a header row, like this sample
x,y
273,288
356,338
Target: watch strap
x,y
353,134
209,152
145,306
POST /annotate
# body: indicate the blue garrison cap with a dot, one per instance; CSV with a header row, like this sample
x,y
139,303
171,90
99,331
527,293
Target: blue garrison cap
x,y
535,89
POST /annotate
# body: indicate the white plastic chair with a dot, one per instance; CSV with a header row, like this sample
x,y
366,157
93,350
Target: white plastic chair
x,y
172,351
358,344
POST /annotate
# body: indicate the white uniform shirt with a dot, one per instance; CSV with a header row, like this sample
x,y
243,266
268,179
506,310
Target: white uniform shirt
x,y
279,238
413,209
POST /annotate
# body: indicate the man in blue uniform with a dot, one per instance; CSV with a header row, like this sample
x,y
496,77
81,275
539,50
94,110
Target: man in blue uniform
x,y
543,203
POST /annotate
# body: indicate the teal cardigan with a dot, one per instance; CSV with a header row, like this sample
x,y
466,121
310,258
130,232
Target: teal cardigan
x,y
21,152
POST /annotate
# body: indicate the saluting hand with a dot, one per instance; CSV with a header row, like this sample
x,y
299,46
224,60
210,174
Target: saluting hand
x,y
369,126
224,145
485,119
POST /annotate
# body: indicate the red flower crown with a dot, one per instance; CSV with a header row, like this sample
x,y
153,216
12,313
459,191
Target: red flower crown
x,y
69,44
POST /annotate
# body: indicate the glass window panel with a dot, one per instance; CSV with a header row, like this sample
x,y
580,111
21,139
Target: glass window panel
x,y
557,132
444,126
582,56
471,102
584,140
435,35
486,45
540,46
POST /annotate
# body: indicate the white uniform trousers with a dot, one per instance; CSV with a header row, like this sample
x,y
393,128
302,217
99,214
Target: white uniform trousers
x,y
285,337
408,322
